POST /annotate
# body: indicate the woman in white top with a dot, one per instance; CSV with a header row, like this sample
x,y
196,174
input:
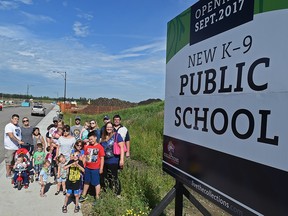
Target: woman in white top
x,y
66,143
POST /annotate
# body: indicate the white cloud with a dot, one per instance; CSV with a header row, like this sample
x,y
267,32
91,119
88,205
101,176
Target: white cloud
x,y
85,16
150,48
8,5
80,30
13,4
26,53
32,18
28,2
15,32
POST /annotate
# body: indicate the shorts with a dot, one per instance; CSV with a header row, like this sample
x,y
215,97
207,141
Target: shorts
x,y
75,192
92,176
9,156
61,179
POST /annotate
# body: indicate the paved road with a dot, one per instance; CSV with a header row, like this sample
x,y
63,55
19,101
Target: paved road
x,y
5,116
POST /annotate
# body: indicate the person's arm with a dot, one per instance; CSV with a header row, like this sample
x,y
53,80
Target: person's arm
x,y
101,165
80,166
121,162
58,172
33,161
57,150
43,142
12,137
121,144
127,143
14,167
69,164
84,157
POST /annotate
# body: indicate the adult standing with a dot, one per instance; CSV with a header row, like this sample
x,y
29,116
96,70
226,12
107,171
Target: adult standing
x,y
51,129
66,143
111,161
12,142
106,119
123,131
77,128
27,137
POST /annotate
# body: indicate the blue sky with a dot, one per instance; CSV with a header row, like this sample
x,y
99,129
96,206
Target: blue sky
x,y
108,48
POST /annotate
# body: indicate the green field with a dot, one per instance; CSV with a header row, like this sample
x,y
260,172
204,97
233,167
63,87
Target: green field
x,y
144,183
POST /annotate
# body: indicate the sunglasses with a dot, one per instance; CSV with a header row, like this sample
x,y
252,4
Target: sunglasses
x,y
26,120
66,131
79,145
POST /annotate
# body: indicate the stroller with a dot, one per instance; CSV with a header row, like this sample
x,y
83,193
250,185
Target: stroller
x,y
28,160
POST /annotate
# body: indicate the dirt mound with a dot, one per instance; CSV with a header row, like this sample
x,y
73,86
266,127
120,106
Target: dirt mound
x,y
104,105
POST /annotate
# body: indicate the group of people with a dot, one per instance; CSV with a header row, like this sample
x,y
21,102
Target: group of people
x,y
78,157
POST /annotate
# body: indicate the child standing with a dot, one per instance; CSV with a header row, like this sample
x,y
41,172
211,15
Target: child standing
x,y
75,168
94,158
44,177
38,160
61,175
49,157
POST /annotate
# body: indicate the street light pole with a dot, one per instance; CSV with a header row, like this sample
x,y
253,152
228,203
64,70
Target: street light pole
x,y
64,87
64,74
28,87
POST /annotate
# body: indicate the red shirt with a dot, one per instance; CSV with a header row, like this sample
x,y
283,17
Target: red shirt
x,y
93,154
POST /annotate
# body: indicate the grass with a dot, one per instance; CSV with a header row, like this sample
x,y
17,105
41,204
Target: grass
x,y
143,182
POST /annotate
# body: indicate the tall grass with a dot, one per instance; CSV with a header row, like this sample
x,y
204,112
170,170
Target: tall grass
x,y
143,182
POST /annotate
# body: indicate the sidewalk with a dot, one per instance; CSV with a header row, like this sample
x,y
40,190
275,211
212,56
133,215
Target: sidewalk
x,y
28,201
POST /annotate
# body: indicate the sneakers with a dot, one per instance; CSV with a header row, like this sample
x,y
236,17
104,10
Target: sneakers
x,y
82,198
15,186
64,193
26,186
57,192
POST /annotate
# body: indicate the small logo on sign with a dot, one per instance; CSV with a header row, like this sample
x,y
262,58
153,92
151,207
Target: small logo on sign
x,y
170,148
171,151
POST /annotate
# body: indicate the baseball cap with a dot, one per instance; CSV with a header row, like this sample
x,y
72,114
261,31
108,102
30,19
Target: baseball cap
x,y
106,117
78,117
55,118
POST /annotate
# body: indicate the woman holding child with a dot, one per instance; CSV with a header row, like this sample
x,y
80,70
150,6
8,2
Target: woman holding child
x,y
112,162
